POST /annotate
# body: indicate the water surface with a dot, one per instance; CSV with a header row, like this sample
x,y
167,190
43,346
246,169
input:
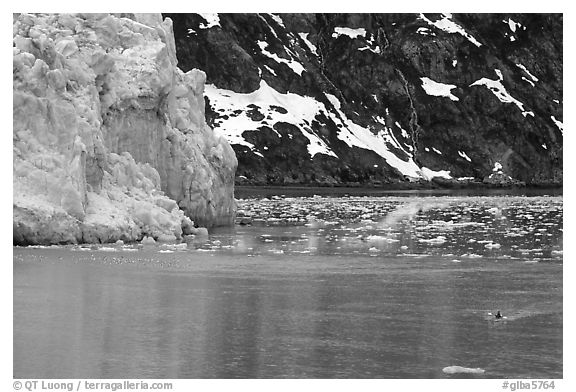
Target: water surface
x,y
312,287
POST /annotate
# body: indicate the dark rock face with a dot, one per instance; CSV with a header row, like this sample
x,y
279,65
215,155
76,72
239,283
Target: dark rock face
x,y
382,98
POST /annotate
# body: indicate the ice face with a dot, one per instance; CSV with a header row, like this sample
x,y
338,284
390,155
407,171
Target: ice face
x,y
108,131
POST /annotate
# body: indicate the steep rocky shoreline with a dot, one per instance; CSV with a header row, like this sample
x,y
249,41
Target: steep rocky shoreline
x,y
383,99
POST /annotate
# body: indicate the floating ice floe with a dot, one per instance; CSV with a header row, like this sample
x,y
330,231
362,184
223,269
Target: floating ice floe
x,y
434,241
492,245
172,247
438,89
461,219
451,225
107,249
380,239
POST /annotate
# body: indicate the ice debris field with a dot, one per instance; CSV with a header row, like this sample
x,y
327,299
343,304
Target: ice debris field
x,y
457,229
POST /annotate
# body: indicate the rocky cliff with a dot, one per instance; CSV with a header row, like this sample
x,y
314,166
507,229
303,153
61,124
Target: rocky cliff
x,y
110,137
382,98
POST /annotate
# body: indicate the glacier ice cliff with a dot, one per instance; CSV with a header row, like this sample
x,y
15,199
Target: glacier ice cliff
x,y
110,140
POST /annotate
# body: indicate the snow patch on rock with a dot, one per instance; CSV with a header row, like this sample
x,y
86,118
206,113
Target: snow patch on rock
x,y
355,135
523,68
438,89
463,155
212,20
347,31
449,26
310,45
234,119
429,174
498,89
293,64
513,25
528,81
277,19
558,123
425,31
299,110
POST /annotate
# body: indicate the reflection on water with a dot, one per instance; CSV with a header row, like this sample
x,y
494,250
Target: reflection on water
x,y
332,288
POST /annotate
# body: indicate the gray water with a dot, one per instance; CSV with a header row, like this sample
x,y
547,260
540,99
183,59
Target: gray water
x,y
314,287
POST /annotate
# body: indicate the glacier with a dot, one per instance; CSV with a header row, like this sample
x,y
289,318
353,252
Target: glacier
x,y
110,140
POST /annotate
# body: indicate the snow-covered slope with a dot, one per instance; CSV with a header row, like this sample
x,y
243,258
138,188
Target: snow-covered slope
x,y
382,98
110,138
